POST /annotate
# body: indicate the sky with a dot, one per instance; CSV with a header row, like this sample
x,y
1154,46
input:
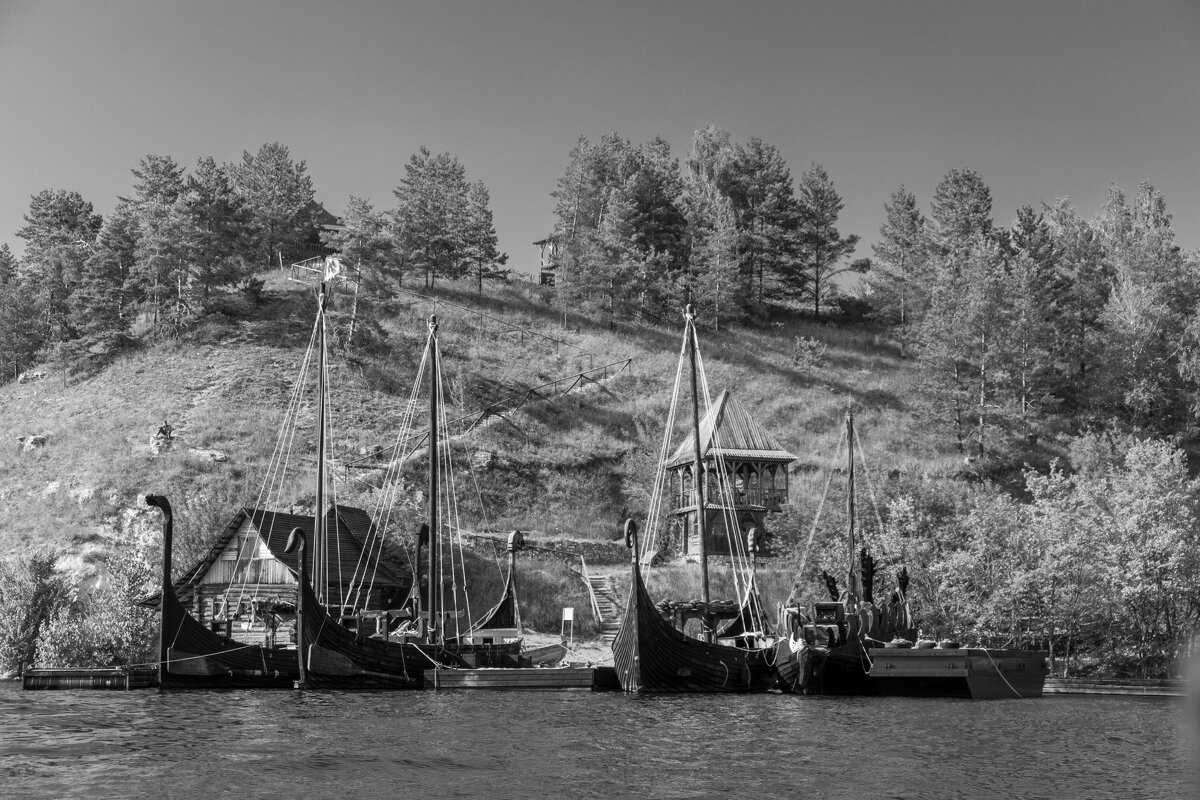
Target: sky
x,y
1043,99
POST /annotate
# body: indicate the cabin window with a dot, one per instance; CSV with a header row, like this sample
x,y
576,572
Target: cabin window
x,y
218,607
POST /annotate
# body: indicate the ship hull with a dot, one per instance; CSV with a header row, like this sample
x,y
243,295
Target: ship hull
x,y
338,658
198,658
652,657
972,673
976,673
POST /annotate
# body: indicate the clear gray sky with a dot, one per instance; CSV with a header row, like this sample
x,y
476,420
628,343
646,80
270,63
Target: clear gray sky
x,y
1044,99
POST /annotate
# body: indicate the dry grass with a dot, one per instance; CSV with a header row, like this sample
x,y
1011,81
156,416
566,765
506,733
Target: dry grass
x,y
544,587
567,466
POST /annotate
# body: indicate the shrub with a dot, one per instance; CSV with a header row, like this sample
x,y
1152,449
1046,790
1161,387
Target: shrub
x,y
808,353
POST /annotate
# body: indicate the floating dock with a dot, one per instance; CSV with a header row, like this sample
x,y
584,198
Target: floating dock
x,y
112,678
587,679
1148,688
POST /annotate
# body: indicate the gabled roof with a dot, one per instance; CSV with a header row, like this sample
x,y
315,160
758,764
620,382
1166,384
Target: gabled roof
x,y
738,435
349,528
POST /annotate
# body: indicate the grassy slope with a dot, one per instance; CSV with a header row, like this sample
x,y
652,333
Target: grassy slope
x,y
573,466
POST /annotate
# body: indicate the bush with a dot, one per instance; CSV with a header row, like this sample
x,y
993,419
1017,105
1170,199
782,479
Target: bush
x,y
31,592
808,353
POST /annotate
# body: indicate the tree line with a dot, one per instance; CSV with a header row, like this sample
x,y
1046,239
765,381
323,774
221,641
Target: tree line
x,y
1056,320
184,240
636,232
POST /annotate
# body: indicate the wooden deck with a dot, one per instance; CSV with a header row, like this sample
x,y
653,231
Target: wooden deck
x,y
587,679
121,679
1148,688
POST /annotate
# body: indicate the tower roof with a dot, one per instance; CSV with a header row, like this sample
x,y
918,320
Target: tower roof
x,y
737,435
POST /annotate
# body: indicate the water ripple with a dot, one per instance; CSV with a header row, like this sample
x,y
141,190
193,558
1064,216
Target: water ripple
x,y
343,746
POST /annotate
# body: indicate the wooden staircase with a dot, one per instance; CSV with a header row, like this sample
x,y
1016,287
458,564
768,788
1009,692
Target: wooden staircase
x,y
609,606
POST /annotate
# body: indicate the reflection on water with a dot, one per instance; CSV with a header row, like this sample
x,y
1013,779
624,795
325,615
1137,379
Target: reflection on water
x,y
567,745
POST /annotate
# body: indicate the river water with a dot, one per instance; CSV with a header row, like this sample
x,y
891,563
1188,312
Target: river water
x,y
193,745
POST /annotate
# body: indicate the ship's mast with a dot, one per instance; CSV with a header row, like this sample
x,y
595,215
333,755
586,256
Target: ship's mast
x,y
434,544
698,463
319,512
854,581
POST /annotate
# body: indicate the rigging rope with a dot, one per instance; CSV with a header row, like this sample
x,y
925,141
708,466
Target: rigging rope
x,y
276,469
451,491
386,499
880,540
654,516
816,520
741,568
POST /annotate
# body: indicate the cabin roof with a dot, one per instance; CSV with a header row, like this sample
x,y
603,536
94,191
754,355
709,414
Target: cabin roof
x,y
323,217
349,528
737,435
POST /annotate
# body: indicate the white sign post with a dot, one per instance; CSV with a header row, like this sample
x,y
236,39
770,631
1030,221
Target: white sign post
x,y
568,616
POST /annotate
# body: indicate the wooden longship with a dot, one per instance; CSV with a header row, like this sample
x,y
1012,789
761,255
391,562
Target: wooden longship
x,y
651,656
851,646
192,656
334,657
339,658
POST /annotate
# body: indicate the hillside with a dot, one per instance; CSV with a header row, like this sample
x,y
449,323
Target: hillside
x,y
566,467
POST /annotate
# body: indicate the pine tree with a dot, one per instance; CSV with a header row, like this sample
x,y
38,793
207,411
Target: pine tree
x,y
899,277
366,242
486,261
1028,349
165,239
19,340
221,229
8,265
431,214
159,180
961,341
821,247
1085,275
768,216
1145,317
960,211
101,303
941,343
278,195
59,231
711,282
590,191
1036,290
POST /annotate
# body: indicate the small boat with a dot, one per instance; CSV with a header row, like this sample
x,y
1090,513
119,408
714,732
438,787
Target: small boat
x,y
653,655
849,645
191,656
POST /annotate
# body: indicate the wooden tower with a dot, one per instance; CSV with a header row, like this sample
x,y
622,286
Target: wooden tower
x,y
757,476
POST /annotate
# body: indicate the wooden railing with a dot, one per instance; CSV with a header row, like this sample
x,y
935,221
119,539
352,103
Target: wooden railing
x,y
506,326
583,571
767,497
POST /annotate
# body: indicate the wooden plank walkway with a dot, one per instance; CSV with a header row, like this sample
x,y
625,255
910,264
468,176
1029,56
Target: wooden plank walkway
x,y
588,679
1150,688
62,678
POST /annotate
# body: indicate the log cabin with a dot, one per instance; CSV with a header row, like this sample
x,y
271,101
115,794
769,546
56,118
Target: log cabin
x,y
245,586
